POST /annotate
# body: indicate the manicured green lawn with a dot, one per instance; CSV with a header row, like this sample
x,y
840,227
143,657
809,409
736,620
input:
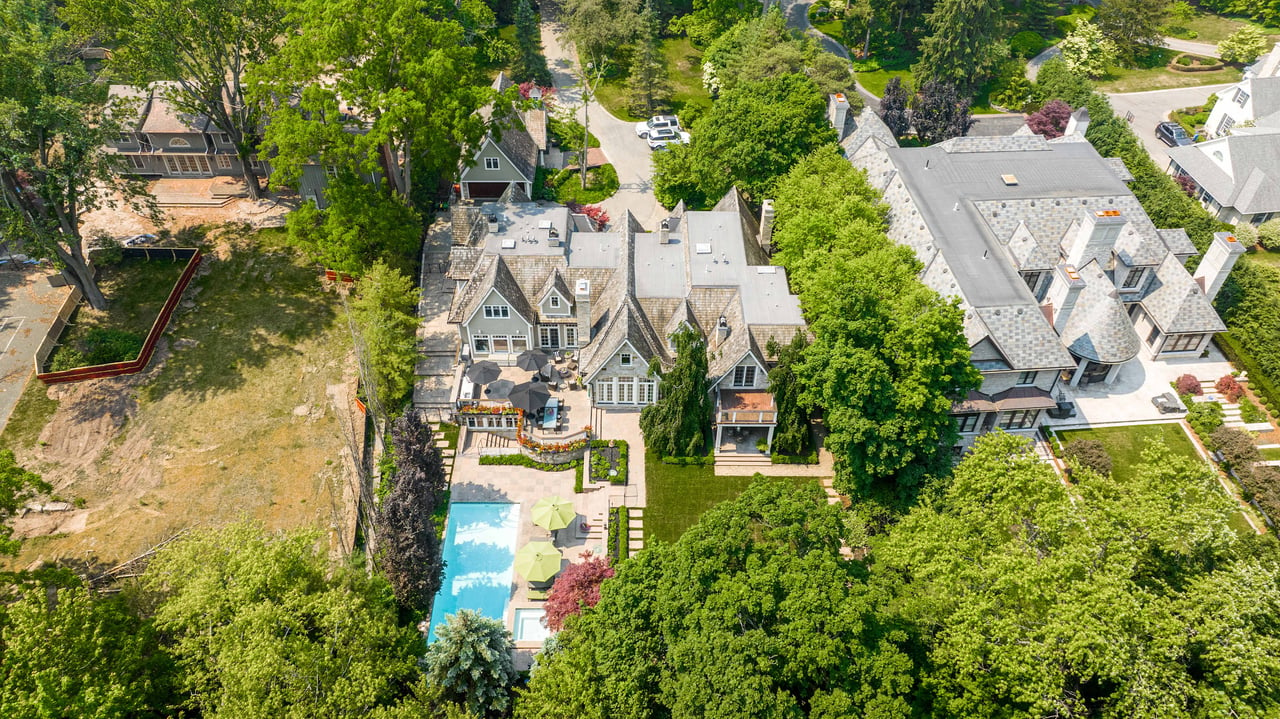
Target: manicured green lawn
x,y
602,183
675,496
1125,444
1212,29
684,72
1271,453
1260,254
875,82
1152,74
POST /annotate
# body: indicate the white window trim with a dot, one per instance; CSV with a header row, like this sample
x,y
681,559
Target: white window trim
x,y
224,162
136,162
745,370
554,301
492,163
626,359
179,142
497,312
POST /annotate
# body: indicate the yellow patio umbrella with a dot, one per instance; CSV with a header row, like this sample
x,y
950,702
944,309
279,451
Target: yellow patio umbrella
x,y
553,513
538,561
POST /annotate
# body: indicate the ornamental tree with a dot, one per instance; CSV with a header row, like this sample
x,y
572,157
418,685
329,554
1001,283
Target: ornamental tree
x,y
1087,51
576,588
676,425
893,107
1244,45
939,113
1050,120
408,543
470,664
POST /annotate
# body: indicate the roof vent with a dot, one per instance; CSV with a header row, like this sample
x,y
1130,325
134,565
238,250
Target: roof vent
x,y
766,270
1009,179
702,248
508,244
544,225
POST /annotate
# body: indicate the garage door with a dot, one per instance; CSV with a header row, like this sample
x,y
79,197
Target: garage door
x,y
486,190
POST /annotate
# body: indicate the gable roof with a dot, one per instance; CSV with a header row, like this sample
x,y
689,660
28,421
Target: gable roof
x,y
1253,185
1176,303
519,147
495,275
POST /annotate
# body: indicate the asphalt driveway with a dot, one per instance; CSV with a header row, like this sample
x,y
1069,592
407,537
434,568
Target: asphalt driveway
x,y
1152,108
28,307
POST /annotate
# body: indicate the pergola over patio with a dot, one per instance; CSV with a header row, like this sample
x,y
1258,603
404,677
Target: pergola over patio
x,y
745,408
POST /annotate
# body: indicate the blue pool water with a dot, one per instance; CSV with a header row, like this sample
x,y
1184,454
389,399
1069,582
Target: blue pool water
x,y
479,551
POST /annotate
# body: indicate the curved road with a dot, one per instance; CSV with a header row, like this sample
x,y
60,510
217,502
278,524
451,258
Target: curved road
x,y
797,14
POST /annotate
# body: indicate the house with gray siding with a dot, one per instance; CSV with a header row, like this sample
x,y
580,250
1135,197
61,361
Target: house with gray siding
x,y
1062,277
533,275
508,157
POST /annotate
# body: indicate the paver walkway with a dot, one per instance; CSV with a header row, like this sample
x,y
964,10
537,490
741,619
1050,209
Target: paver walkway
x,y
438,342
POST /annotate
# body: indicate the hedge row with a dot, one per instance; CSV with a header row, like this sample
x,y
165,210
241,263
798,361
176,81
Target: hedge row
x,y
810,458
686,461
619,534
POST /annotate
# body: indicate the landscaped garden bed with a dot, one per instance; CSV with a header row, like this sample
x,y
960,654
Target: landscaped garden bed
x,y
1187,62
608,461
619,534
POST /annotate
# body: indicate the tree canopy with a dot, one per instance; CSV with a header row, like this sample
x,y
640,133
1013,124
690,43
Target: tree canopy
x,y
1132,25
470,664
750,137
408,538
385,310
360,225
765,47
964,46
888,355
676,424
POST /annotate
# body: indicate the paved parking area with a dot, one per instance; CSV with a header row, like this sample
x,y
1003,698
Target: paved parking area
x,y
28,306
1152,108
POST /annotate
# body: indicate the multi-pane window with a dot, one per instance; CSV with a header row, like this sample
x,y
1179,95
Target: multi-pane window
x,y
1152,336
604,391
624,359
1027,378
554,301
126,138
626,391
1032,279
1225,126
1261,217
1018,418
967,422
490,163
1183,343
497,312
224,138
570,336
480,343
224,162
1241,97
1134,277
744,376
331,171
179,142
549,336
646,392
137,163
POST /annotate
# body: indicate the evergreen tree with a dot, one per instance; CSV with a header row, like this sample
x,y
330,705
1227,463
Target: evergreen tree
x,y
1133,25
385,310
965,44
648,82
533,64
791,434
470,663
939,113
893,107
676,425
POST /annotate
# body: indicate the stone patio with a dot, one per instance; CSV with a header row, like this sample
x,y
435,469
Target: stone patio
x,y
1128,400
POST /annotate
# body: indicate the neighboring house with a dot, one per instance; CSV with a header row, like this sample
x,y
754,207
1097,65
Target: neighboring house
x,y
1061,275
1236,177
163,141
1248,102
509,155
536,276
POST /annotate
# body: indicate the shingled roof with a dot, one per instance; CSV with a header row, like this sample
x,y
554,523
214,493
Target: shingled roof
x,y
1177,304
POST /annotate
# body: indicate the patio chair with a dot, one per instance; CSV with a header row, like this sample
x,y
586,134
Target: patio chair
x,y
537,595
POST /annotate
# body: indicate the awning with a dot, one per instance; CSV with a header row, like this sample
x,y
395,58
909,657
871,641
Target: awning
x,y
974,401
1024,398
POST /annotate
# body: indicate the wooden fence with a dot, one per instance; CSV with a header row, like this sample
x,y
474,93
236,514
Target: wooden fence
x,y
137,364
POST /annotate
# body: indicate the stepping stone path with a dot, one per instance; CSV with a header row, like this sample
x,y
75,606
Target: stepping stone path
x,y
446,454
635,530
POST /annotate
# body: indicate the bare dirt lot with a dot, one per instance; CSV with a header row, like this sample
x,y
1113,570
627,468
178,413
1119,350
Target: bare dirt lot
x,y
244,412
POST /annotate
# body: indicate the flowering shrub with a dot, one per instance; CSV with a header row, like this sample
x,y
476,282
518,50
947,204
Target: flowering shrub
x,y
488,409
527,87
1188,384
595,213
1230,387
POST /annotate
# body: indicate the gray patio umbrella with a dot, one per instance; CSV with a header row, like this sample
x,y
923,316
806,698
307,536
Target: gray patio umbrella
x,y
484,372
549,371
529,396
499,390
532,360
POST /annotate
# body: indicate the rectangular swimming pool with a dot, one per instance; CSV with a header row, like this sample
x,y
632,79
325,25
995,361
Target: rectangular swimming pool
x,y
479,551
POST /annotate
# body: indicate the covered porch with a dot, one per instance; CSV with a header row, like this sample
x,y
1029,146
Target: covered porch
x,y
743,418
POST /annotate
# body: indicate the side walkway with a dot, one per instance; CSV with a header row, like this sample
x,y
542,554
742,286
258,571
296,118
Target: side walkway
x,y
437,340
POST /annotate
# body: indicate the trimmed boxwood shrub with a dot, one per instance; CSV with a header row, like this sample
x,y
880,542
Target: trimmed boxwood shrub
x,y
1089,453
600,465
1250,413
810,458
687,461
1204,417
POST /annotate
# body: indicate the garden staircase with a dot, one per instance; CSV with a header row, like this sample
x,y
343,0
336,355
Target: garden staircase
x,y
635,530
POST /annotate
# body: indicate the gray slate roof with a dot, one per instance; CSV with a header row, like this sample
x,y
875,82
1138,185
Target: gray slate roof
x,y
1265,93
1177,303
1098,327
1023,336
864,127
1252,186
519,147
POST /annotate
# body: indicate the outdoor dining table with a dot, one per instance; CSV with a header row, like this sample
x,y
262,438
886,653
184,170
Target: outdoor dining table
x,y
550,414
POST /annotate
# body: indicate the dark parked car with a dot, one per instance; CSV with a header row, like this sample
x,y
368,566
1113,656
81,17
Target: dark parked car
x,y
1171,134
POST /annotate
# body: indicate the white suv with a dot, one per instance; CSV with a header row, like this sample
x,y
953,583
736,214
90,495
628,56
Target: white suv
x,y
657,122
663,136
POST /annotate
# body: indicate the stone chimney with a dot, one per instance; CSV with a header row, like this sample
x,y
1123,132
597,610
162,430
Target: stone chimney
x,y
582,308
838,113
766,225
664,231
1217,263
1063,293
1077,123
1095,237
722,330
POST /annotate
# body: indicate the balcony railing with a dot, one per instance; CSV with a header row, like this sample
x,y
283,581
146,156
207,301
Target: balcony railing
x,y
747,416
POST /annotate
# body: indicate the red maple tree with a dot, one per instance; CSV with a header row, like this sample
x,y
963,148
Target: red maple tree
x,y
577,588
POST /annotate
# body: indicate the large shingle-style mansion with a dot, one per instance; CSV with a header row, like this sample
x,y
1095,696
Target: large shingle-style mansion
x,y
533,275
1061,275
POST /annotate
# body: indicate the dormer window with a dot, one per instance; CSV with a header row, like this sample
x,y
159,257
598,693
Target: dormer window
x,y
1241,97
179,142
624,359
554,301
1133,280
125,138
497,312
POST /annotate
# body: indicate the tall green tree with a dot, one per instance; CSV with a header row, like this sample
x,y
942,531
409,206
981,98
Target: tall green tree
x,y
53,167
751,136
206,47
385,311
533,64
390,86
764,47
965,44
264,626
650,87
65,653
408,539
470,664
888,355
711,18
1034,602
362,224
752,613
598,28
791,433
1133,25
676,424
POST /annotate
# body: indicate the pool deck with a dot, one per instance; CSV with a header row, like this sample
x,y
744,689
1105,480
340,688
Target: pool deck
x,y
497,483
